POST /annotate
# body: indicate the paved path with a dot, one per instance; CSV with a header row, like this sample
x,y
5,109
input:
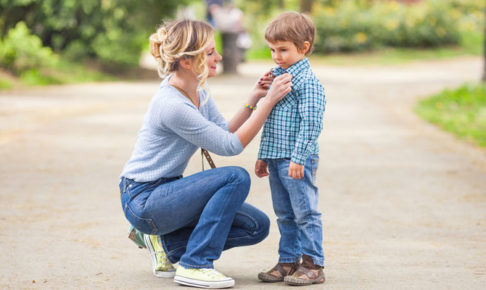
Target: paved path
x,y
404,204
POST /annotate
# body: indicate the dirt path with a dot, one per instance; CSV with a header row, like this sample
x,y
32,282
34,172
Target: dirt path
x,y
404,204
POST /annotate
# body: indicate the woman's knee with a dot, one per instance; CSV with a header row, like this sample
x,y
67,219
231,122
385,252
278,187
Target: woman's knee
x,y
263,226
239,175
254,221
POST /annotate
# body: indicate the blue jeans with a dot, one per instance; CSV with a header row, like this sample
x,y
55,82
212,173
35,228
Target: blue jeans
x,y
197,217
295,204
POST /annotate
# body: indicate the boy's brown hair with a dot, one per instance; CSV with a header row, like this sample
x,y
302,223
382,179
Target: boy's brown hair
x,y
294,27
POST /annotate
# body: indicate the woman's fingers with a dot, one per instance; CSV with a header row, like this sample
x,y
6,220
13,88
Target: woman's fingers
x,y
283,81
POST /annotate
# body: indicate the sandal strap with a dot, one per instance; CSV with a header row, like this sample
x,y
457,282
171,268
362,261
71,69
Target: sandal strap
x,y
307,272
280,269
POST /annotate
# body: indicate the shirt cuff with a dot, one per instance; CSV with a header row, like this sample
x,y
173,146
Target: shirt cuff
x,y
298,158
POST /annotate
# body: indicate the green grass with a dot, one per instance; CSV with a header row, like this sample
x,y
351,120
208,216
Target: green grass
x,y
461,112
63,72
5,84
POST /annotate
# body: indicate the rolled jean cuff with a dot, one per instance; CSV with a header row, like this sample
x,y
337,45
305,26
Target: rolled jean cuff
x,y
318,261
188,266
289,260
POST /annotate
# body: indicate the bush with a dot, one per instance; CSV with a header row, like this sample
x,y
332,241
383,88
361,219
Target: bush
x,y
21,51
108,31
351,27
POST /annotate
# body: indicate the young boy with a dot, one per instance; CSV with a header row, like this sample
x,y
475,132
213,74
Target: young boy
x,y
288,153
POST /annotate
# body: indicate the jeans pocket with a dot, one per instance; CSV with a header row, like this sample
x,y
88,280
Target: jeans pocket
x,y
144,225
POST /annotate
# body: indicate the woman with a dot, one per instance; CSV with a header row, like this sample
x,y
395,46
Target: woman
x,y
198,216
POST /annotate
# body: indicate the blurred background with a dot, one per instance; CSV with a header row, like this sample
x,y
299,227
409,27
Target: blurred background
x,y
41,40
46,42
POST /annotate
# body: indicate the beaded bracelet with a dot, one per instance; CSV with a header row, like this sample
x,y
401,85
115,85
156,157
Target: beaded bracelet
x,y
250,107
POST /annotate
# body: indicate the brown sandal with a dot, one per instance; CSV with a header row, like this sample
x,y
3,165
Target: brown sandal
x,y
278,272
308,273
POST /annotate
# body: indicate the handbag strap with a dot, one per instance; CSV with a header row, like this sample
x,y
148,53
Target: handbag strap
x,y
208,158
203,151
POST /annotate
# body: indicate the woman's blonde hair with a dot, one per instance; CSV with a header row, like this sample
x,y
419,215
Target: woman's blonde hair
x,y
178,40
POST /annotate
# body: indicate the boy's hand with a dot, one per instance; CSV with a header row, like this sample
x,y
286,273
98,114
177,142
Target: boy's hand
x,y
296,171
261,168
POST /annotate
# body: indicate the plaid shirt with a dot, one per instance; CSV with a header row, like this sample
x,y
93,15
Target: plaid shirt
x,y
292,128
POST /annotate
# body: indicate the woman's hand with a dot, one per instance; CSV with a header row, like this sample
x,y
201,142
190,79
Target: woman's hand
x,y
261,168
261,87
296,171
281,86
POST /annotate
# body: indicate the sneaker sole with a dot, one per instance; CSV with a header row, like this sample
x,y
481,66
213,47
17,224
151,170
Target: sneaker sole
x,y
164,274
204,284
160,274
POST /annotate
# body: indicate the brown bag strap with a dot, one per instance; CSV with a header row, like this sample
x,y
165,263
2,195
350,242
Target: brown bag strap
x,y
203,151
208,158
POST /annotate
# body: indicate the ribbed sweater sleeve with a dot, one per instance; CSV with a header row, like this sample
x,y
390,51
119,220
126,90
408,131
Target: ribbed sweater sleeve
x,y
186,121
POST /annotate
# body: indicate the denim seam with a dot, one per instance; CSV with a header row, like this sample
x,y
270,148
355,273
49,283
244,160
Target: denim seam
x,y
150,221
257,227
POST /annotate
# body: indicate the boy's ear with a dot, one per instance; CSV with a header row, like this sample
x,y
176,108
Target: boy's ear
x,y
305,47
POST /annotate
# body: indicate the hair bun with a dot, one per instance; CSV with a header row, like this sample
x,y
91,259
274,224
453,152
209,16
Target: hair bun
x,y
156,41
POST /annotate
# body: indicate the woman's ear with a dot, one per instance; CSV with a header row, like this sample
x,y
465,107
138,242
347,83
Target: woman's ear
x,y
305,47
186,63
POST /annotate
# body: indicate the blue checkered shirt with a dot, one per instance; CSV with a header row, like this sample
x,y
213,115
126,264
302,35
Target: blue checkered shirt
x,y
292,128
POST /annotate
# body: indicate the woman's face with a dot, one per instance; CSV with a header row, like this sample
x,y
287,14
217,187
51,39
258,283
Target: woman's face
x,y
213,57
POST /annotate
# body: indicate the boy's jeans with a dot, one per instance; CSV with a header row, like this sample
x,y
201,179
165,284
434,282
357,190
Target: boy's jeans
x,y
295,204
198,216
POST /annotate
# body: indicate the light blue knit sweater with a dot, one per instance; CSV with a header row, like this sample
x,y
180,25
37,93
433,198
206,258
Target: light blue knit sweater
x,y
173,129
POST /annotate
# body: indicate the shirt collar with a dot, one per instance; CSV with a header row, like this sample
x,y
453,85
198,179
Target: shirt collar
x,y
294,69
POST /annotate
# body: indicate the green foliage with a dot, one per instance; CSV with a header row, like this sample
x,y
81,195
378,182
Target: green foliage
x,y
35,77
5,84
111,31
350,27
21,51
461,111
371,25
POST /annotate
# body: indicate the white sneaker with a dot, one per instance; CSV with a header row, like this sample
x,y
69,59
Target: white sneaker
x,y
202,278
161,266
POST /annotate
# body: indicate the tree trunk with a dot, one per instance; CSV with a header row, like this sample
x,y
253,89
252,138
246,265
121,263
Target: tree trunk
x,y
306,6
231,53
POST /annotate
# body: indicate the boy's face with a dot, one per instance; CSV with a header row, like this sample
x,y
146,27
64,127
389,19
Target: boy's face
x,y
285,53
